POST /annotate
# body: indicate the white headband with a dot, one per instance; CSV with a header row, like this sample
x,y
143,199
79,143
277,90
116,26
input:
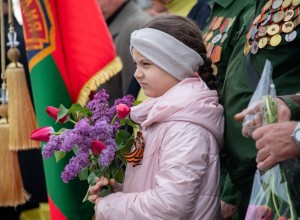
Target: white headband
x,y
167,52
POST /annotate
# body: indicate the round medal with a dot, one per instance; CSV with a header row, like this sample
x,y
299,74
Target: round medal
x,y
288,27
295,2
254,47
267,6
291,36
216,38
289,14
275,40
262,31
273,29
262,42
247,48
215,68
286,3
276,4
278,16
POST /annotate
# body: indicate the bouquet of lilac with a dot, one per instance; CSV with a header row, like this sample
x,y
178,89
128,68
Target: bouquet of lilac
x,y
98,140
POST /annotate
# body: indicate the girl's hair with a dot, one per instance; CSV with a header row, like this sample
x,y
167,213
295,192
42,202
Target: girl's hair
x,y
186,31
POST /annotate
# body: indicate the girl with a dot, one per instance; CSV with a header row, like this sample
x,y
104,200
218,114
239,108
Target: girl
x,y
182,128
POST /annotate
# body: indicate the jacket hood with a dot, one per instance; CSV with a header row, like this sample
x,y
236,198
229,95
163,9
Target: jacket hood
x,y
190,100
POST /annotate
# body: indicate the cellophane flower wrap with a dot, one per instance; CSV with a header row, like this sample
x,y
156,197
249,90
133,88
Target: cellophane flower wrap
x,y
99,139
276,192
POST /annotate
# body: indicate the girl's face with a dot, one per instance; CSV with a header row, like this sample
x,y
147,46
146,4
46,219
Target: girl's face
x,y
154,81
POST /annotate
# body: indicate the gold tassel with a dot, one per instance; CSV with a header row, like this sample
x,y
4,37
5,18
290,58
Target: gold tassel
x,y
12,192
22,120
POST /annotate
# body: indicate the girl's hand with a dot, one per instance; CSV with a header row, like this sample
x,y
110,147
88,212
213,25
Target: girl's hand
x,y
96,189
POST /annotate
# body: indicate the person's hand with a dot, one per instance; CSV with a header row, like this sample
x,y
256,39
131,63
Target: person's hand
x,y
227,210
275,144
96,189
284,114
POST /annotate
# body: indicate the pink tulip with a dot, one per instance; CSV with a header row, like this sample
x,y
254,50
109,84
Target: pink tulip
x,y
42,134
97,147
53,112
123,110
261,212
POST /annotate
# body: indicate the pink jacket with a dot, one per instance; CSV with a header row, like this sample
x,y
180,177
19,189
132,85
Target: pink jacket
x,y
179,174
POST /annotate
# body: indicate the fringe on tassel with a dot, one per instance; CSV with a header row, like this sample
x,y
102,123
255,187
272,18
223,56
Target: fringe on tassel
x,y
110,70
12,192
21,116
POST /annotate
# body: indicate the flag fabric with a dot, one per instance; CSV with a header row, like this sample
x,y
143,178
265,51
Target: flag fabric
x,y
70,53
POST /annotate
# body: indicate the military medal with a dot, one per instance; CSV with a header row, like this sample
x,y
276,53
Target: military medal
x,y
286,3
275,40
254,47
209,36
291,36
289,14
217,23
295,3
215,69
216,54
276,4
288,27
268,18
210,47
267,6
278,16
256,20
253,32
273,29
212,23
216,38
262,42
224,37
247,48
262,31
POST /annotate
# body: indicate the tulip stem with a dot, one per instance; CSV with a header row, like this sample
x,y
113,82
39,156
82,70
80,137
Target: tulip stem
x,y
70,120
113,120
56,133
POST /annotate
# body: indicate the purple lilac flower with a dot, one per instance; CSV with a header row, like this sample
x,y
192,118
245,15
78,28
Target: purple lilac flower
x,y
103,130
53,145
107,155
99,106
75,166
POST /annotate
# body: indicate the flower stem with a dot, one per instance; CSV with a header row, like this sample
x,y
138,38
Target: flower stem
x,y
113,120
71,120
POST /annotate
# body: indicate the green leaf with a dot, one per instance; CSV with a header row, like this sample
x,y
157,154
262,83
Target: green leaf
x,y
120,136
83,174
59,155
63,111
97,173
75,150
75,108
86,112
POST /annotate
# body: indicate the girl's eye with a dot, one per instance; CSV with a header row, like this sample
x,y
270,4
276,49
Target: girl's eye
x,y
146,64
134,62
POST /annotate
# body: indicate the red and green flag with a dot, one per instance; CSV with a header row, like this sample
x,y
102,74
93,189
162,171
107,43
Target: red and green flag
x,y
70,53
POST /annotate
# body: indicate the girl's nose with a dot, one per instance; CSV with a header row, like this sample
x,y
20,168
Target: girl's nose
x,y
138,73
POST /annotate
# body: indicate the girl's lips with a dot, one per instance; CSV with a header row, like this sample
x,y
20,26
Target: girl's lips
x,y
142,84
